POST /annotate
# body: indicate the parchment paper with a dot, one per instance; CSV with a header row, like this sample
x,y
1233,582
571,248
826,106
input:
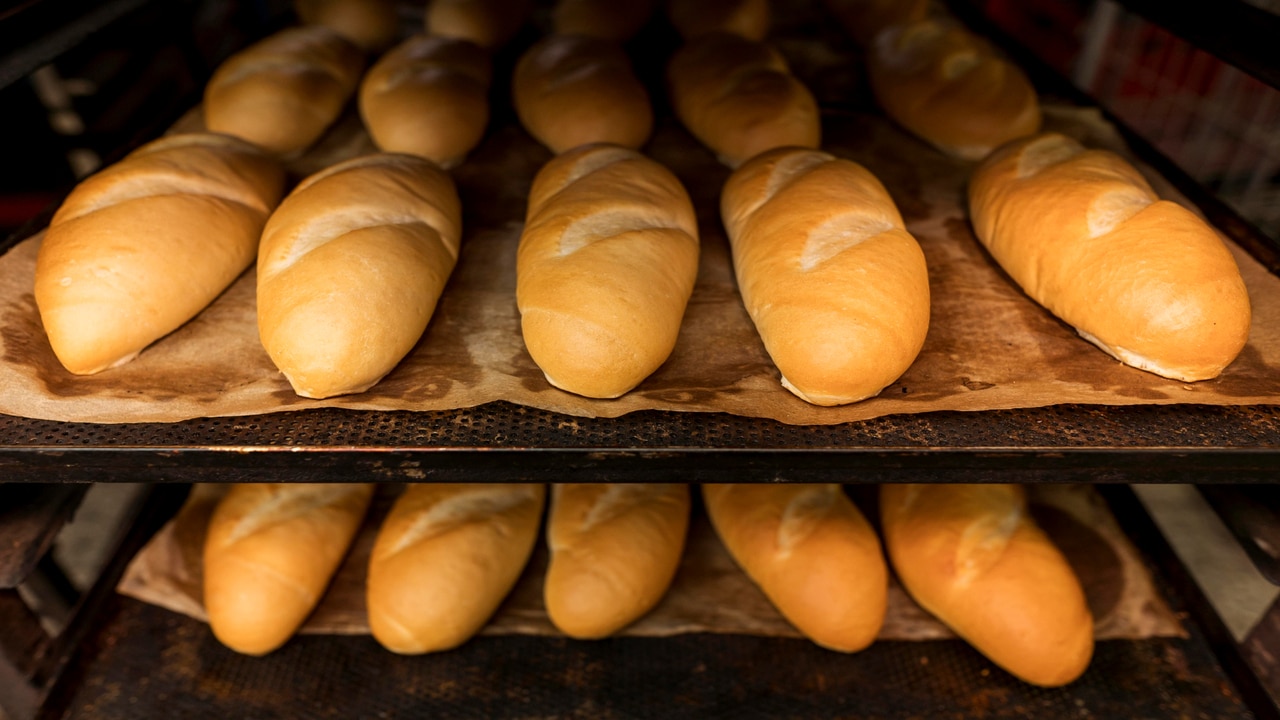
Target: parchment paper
x,y
988,347
709,593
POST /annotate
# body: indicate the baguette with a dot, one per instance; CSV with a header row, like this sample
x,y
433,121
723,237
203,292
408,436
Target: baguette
x,y
371,24
604,269
947,86
608,19
270,552
864,19
1085,236
738,98
614,551
694,18
572,90
812,553
351,267
836,286
141,247
487,23
428,96
283,92
445,558
971,555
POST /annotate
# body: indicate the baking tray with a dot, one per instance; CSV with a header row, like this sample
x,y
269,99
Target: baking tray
x,y
502,441
140,661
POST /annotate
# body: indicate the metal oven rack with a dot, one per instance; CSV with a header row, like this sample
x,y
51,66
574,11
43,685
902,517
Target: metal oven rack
x,y
118,657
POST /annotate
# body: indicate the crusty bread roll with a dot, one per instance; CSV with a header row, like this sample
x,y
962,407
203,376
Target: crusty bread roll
x,y
608,19
487,23
445,558
836,286
739,98
371,24
812,553
614,551
605,267
283,92
1085,236
428,96
572,90
350,269
270,552
695,18
972,556
949,87
864,19
139,248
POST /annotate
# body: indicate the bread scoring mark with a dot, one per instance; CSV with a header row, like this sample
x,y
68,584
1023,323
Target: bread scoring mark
x,y
307,596
960,63
594,161
983,543
788,169
1110,209
803,514
1044,151
287,504
612,223
838,234
325,229
616,500
419,72
273,65
464,507
155,183
906,49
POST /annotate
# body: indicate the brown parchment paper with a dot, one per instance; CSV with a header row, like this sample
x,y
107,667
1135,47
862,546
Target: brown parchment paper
x,y
709,592
988,346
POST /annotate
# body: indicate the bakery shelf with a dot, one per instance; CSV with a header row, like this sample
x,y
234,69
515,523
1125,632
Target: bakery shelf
x,y
141,661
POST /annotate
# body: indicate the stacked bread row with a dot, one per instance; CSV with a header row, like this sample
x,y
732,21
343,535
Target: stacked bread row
x,y
354,261
447,555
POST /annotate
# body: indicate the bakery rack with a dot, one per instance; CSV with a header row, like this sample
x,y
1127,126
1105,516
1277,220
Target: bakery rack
x,y
118,657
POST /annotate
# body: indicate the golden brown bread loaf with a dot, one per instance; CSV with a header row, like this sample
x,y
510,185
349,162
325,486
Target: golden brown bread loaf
x,y
972,556
864,19
141,247
607,19
1085,236
428,96
695,18
836,286
371,24
949,87
605,267
812,553
350,269
614,551
270,552
487,23
572,90
283,92
445,558
739,98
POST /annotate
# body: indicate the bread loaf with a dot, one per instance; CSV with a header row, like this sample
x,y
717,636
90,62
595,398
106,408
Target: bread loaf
x,y
949,87
371,24
739,99
445,558
695,18
972,556
812,553
144,245
572,90
351,267
1085,236
487,23
608,19
836,286
864,19
269,555
428,96
283,92
614,551
605,267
